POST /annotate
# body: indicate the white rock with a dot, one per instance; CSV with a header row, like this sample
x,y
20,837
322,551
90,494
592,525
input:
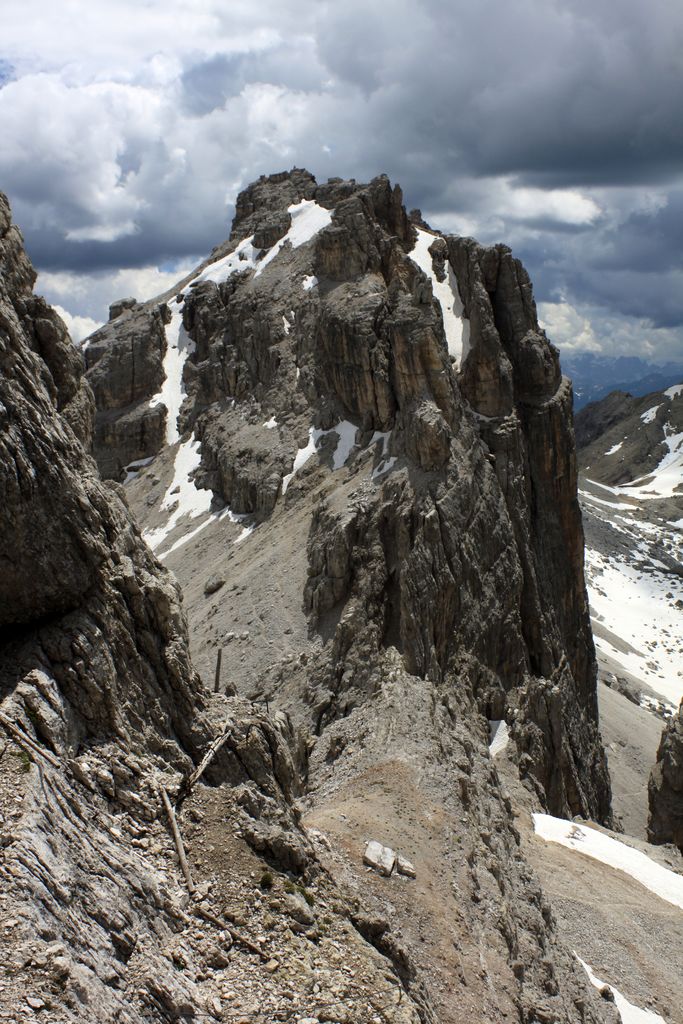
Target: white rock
x,y
381,858
404,867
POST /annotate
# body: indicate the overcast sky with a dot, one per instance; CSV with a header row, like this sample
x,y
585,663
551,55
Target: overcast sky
x,y
127,128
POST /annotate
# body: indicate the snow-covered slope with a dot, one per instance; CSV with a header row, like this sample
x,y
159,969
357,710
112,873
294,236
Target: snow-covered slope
x,y
631,489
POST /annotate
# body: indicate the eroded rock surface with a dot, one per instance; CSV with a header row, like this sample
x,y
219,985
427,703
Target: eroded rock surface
x,y
665,791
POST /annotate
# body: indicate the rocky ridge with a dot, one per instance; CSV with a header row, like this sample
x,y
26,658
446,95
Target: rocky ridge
x,y
368,492
665,789
474,444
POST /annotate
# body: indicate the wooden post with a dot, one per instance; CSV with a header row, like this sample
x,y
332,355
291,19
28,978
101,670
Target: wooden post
x,y
217,680
26,742
177,838
237,936
196,775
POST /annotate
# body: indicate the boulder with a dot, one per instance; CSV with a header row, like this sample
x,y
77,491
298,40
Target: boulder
x,y
381,858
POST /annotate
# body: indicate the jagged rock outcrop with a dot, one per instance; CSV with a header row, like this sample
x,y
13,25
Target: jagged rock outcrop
x,y
125,368
665,789
596,418
332,399
474,537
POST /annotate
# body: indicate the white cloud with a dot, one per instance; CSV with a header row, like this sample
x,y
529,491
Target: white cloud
x,y
79,327
102,232
93,293
562,205
575,327
567,328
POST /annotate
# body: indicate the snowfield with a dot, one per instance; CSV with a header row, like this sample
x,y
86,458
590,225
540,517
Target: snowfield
x,y
629,1013
581,838
639,608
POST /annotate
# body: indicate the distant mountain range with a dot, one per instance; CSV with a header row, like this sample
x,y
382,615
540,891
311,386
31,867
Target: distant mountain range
x,y
595,376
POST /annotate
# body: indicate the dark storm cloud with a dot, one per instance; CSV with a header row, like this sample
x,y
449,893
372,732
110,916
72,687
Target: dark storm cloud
x,y
560,95
554,127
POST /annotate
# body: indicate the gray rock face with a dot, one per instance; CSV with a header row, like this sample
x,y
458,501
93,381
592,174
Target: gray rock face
x,y
472,546
665,789
624,439
124,362
69,551
121,306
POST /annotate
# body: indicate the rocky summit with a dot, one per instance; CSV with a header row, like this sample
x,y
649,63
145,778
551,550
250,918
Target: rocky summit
x,y
296,660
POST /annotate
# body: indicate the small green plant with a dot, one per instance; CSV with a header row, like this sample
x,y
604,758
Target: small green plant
x,y
300,890
24,761
308,896
266,881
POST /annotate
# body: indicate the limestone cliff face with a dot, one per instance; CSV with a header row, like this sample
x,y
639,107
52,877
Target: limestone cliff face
x,y
665,790
125,362
465,549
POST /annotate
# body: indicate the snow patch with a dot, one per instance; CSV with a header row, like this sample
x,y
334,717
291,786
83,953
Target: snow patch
x,y
179,346
629,1013
182,497
271,423
386,464
347,441
303,455
500,736
614,449
659,707
456,325
286,324
346,433
133,468
243,257
674,392
664,883
309,282
648,417
246,532
307,220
